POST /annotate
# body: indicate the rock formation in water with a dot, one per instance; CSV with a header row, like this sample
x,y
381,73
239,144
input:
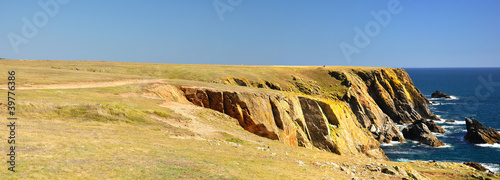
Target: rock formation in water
x,y
478,134
433,127
420,132
439,94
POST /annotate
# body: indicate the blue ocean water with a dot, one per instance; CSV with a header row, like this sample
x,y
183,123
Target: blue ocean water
x,y
475,93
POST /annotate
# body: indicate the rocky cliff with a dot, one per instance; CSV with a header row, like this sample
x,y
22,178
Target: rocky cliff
x,y
381,97
295,120
352,117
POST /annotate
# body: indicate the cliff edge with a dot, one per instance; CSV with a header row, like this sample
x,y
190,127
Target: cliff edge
x,y
344,111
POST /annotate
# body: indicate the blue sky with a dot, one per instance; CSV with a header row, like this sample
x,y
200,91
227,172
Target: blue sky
x,y
418,33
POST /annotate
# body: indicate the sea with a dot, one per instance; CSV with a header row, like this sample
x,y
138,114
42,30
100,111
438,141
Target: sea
x,y
475,93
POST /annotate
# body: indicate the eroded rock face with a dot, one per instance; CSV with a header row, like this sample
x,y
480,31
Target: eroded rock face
x,y
374,100
379,98
294,120
420,132
395,94
369,113
478,134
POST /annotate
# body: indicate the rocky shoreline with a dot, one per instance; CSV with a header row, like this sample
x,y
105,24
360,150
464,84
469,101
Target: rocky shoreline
x,y
354,123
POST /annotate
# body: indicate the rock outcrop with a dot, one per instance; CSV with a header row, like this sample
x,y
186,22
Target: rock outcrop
x,y
478,134
420,132
345,110
369,113
304,121
379,98
476,165
439,94
394,92
433,127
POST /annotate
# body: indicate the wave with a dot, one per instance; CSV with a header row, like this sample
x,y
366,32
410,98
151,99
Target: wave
x,y
453,98
440,104
447,128
392,143
430,98
403,152
414,142
492,167
404,160
440,122
496,145
438,134
456,122
445,146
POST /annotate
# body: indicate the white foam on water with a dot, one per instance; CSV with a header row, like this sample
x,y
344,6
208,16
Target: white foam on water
x,y
440,122
496,145
402,126
404,160
453,98
457,122
447,128
438,134
439,104
392,143
403,152
492,167
445,146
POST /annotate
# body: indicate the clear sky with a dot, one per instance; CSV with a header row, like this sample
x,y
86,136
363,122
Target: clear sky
x,y
405,33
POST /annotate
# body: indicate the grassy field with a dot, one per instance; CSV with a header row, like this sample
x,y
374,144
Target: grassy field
x,y
129,132
55,72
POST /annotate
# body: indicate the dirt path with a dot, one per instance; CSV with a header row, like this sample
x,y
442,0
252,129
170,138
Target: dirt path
x,y
90,84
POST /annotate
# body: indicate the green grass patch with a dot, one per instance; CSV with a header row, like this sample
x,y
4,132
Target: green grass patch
x,y
162,114
231,138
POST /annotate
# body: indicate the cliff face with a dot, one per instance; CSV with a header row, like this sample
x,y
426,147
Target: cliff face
x,y
352,123
381,97
294,120
396,95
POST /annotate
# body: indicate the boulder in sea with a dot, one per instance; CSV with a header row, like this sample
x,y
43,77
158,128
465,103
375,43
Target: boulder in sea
x,y
433,127
478,134
420,132
476,165
450,120
439,94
